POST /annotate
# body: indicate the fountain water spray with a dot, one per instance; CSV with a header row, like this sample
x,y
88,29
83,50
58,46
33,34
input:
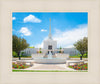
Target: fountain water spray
x,y
50,55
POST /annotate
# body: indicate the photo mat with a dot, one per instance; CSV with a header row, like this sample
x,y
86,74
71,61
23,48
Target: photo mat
x,y
90,77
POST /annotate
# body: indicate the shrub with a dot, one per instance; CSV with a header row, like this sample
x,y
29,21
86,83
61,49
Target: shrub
x,y
14,54
59,51
79,55
22,53
40,51
85,55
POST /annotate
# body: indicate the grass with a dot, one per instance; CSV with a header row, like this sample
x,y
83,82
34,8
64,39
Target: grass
x,y
24,57
44,71
76,56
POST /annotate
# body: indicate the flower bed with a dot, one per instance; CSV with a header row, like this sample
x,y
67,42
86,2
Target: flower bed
x,y
19,66
80,66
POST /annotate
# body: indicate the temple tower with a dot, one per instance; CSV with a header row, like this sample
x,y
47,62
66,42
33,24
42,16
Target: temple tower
x,y
50,44
50,36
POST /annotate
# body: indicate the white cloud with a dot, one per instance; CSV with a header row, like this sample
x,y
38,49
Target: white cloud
x,y
43,30
39,45
69,46
32,18
25,31
13,18
67,38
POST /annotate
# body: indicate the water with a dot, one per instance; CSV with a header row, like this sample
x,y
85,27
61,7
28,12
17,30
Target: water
x,y
49,55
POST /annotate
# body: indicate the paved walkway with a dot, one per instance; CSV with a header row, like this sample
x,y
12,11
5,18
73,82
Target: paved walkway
x,y
50,67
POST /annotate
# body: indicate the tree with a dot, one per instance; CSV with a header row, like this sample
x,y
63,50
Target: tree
x,y
60,49
82,46
19,44
31,47
22,53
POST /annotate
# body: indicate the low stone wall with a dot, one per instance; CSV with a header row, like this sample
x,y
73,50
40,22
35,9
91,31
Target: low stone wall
x,y
86,59
14,59
50,61
29,62
41,55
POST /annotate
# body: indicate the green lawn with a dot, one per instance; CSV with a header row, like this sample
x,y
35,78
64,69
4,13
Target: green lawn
x,y
24,57
43,71
69,57
76,56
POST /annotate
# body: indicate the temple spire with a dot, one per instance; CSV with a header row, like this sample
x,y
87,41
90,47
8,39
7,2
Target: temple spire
x,y
50,36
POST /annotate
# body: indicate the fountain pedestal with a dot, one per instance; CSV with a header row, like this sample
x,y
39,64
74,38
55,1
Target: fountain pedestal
x,y
50,60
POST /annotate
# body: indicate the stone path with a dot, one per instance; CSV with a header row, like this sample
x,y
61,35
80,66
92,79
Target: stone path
x,y
50,67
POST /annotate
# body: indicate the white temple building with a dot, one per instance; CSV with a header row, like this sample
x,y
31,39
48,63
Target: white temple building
x,y
50,45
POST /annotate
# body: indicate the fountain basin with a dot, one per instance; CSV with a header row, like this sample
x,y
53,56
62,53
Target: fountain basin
x,y
50,61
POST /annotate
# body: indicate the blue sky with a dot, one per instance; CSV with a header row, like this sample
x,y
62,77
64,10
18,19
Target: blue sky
x,y
66,27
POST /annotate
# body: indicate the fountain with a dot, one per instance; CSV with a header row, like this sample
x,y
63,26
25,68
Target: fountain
x,y
49,59
49,55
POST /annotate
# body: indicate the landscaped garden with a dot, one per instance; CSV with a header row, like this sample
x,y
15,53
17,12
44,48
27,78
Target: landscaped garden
x,y
79,66
19,66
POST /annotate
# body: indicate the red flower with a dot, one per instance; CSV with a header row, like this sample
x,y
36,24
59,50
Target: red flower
x,y
75,67
78,67
23,67
20,64
17,66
